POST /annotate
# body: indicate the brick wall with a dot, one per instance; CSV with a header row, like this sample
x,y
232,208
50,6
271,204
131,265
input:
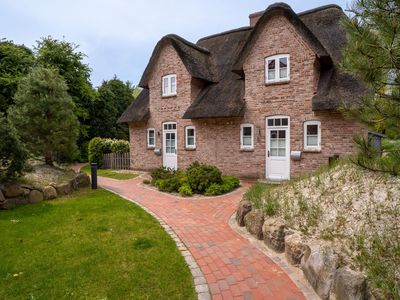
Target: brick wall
x,y
218,140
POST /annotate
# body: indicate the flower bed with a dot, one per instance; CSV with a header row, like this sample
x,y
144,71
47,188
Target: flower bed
x,y
197,179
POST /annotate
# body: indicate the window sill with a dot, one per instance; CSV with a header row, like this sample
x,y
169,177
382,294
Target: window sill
x,y
277,82
151,147
168,96
246,149
190,148
310,150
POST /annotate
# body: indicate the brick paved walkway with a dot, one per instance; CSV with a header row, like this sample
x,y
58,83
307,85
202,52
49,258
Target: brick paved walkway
x,y
234,269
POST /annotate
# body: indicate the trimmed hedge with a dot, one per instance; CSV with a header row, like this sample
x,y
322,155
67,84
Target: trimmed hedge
x,y
98,147
198,178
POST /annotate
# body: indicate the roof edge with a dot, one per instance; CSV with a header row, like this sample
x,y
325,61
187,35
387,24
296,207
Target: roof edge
x,y
316,9
244,28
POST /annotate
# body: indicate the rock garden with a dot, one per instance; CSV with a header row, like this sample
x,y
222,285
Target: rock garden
x,y
43,183
201,179
340,226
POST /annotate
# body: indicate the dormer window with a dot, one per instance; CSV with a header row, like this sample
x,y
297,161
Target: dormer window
x,y
169,85
277,68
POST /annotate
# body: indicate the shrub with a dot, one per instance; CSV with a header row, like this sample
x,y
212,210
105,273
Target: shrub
x,y
146,181
95,151
202,176
232,181
119,146
228,184
185,191
168,185
162,173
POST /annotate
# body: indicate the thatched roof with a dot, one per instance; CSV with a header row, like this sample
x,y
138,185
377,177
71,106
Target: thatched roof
x,y
138,111
217,60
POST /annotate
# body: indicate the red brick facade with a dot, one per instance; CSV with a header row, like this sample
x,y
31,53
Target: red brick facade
x,y
218,140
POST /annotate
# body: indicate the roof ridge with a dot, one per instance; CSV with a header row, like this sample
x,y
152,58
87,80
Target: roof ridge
x,y
319,8
225,32
187,43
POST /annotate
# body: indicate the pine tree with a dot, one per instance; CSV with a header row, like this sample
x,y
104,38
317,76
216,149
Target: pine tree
x,y
43,115
373,55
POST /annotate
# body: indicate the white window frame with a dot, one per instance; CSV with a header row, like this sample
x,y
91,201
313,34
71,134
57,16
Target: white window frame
x,y
186,137
307,147
241,136
148,138
277,68
169,91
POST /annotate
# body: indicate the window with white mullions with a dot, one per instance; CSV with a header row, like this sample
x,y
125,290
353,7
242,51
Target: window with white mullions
x,y
151,138
277,68
169,85
247,136
312,135
190,137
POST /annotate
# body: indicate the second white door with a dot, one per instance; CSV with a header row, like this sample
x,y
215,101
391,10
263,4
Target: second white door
x,y
170,157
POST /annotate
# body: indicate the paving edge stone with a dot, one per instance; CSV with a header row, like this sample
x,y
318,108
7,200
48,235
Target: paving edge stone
x,y
199,280
294,273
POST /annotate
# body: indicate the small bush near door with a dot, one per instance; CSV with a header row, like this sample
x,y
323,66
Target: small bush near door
x,y
199,178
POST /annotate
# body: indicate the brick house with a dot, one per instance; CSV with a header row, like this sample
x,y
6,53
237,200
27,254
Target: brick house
x,y
259,101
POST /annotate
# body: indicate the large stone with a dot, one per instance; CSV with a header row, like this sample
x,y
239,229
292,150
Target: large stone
x,y
349,285
12,190
243,209
35,196
2,198
295,246
11,203
254,221
274,234
319,266
82,180
49,193
63,189
26,191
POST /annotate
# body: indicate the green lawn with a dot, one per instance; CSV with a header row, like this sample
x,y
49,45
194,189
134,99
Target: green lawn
x,y
90,245
114,174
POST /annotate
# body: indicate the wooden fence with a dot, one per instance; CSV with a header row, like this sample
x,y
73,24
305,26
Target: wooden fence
x,y
116,161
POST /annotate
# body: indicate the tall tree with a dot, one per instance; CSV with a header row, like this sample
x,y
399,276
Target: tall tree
x,y
15,62
43,115
113,97
65,57
373,55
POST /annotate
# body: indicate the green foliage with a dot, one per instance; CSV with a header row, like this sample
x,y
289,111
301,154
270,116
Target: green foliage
x,y
98,147
109,173
43,115
185,191
229,183
380,258
201,177
112,98
12,153
271,204
256,193
146,181
15,63
373,55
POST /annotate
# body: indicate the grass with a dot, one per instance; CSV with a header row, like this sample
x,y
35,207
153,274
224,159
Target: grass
x,y
89,245
114,174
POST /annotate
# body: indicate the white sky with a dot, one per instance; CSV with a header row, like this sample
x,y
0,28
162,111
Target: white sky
x,y
118,36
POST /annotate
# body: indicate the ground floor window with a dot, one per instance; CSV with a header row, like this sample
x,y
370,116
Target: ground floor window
x,y
190,133
312,135
247,136
151,137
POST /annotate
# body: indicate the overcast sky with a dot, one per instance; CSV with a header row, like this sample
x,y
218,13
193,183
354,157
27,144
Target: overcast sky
x,y
118,36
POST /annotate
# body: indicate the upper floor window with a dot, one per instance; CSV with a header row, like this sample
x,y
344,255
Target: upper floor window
x,y
277,68
312,135
151,138
169,85
190,137
246,136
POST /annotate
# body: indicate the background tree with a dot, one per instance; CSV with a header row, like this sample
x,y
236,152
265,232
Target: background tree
x,y
43,115
15,63
64,56
12,152
113,97
373,55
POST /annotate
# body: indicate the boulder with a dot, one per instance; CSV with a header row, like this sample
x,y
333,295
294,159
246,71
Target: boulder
x,y
2,198
274,234
349,285
12,190
82,180
243,209
49,193
254,221
35,196
11,203
319,265
295,246
63,189
26,191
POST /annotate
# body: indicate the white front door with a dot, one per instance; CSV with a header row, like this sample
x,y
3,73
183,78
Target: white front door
x,y
170,158
278,148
